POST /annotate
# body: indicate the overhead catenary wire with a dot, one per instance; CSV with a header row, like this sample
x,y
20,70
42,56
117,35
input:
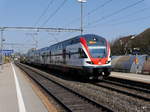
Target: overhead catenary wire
x,y
116,12
120,18
40,29
92,11
18,44
54,36
131,14
68,35
54,13
124,22
133,20
44,12
100,6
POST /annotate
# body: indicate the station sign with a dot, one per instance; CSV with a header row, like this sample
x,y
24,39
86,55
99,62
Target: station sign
x,y
7,52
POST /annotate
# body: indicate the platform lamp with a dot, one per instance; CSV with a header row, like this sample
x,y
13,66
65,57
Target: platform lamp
x,y
81,2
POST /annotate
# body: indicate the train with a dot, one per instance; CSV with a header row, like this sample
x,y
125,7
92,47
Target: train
x,y
87,55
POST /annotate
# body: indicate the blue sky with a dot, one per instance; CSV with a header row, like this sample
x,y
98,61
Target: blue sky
x,y
133,20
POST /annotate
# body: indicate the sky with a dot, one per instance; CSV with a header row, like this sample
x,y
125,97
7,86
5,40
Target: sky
x,y
108,18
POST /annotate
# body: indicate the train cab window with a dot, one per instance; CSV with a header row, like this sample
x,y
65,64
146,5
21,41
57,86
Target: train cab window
x,y
82,53
97,52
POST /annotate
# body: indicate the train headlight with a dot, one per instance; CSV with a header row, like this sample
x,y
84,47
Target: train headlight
x,y
107,62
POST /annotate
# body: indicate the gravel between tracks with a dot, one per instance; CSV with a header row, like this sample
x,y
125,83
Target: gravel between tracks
x,y
133,91
115,101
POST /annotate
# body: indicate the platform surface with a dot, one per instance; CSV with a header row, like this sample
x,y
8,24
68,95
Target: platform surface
x,y
132,76
16,93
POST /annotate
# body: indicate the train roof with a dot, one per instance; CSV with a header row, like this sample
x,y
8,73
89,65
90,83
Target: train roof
x,y
74,38
79,36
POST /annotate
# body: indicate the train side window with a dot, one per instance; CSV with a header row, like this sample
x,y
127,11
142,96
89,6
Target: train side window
x,y
49,53
82,53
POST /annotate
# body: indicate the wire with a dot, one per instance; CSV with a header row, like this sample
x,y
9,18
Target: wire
x,y
54,13
133,20
124,22
44,12
92,11
123,17
100,6
131,14
116,12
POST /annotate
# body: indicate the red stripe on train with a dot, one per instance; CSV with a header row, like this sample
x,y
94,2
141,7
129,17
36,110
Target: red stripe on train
x,y
97,61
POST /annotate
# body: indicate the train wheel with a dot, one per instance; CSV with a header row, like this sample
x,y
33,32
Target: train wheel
x,y
106,74
100,77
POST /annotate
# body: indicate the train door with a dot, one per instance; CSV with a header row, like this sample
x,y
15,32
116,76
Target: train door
x,y
64,56
50,57
44,58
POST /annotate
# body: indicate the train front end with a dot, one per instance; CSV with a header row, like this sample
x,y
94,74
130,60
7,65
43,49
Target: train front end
x,y
98,62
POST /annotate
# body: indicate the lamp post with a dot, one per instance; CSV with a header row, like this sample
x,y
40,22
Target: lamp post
x,y
81,2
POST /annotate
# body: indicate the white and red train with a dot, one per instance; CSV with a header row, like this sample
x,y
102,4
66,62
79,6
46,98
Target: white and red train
x,y
87,55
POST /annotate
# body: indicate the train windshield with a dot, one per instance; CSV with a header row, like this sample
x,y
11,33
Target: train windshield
x,y
98,52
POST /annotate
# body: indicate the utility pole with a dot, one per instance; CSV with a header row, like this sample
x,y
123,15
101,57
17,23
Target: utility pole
x,y
81,18
81,2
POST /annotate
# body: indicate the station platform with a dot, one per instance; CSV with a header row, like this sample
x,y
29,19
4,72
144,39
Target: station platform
x,y
131,76
16,92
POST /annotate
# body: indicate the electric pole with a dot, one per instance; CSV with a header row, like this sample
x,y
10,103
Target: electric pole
x,y
81,22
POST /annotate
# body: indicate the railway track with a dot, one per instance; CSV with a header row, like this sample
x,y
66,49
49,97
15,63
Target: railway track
x,y
139,86
70,100
130,88
135,84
